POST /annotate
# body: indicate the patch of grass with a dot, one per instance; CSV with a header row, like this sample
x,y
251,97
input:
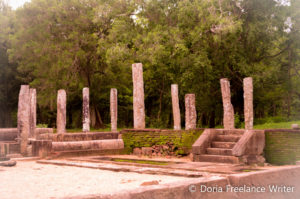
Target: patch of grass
x,y
91,130
279,125
140,161
42,126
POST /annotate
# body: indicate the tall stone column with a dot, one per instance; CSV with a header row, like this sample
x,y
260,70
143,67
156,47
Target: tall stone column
x,y
248,102
32,112
138,96
113,109
175,106
86,109
190,112
228,116
61,118
24,118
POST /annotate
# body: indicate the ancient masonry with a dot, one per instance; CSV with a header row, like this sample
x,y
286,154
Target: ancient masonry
x,y
24,118
113,109
61,111
32,133
190,112
248,102
228,119
85,109
175,106
138,96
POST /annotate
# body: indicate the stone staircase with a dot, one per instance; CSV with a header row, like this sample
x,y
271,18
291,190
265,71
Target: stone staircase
x,y
220,149
233,146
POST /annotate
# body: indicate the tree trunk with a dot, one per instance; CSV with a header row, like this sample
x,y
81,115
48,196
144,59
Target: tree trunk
x,y
96,120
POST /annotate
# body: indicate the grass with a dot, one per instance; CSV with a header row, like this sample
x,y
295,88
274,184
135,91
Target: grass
x,y
268,125
140,161
277,125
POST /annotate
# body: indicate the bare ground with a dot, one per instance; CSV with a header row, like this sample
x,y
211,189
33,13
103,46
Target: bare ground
x,y
29,179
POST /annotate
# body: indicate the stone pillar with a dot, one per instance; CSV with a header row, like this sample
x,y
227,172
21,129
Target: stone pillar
x,y
24,118
86,109
113,109
190,112
175,106
228,116
138,96
61,111
32,133
248,102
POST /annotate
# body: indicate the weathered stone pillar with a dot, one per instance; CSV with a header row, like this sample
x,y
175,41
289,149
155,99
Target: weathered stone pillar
x,y
32,133
248,102
86,109
190,112
228,116
24,118
138,96
61,111
175,106
114,108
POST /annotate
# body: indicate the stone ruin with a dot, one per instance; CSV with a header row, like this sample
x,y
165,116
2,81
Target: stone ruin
x,y
114,109
228,118
138,96
175,107
43,142
61,117
85,109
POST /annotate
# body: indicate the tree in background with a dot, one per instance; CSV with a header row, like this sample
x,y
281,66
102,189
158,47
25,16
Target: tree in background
x,y
9,84
72,44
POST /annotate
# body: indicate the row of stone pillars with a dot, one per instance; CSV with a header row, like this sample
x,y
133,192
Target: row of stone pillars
x,y
228,117
139,106
27,107
62,110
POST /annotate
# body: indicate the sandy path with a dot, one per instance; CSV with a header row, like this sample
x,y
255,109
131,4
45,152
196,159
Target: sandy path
x,y
32,180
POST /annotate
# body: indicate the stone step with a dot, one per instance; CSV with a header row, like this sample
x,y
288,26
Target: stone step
x,y
216,158
226,145
218,151
233,132
72,137
14,155
227,138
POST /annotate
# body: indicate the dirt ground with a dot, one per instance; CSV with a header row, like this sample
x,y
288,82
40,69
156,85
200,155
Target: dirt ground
x,y
29,179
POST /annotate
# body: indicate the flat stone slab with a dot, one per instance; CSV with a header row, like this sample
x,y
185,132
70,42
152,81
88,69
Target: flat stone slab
x,y
9,163
4,159
40,181
125,168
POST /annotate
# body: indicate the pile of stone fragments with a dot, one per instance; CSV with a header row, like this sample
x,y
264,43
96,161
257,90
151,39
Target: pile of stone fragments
x,y
165,150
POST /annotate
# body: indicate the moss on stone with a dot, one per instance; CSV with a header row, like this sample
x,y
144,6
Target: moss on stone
x,y
181,140
282,147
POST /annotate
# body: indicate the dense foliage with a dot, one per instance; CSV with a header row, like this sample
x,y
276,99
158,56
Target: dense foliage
x,y
71,44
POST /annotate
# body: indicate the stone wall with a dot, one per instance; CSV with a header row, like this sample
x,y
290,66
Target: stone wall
x,y
181,140
8,134
282,146
68,137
